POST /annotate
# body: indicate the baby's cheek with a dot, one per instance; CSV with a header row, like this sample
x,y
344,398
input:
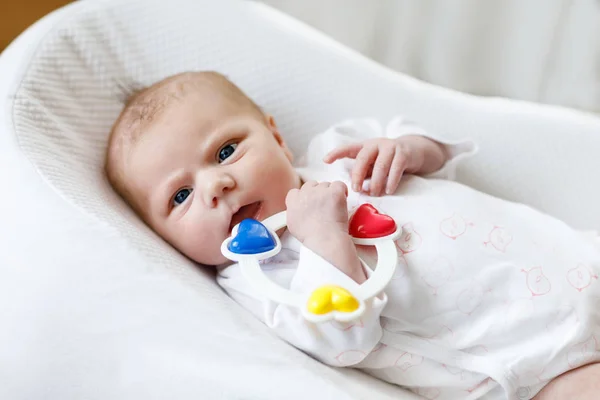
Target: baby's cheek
x,y
200,240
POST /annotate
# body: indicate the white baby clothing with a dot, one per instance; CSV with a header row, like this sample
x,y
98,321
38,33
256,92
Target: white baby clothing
x,y
490,299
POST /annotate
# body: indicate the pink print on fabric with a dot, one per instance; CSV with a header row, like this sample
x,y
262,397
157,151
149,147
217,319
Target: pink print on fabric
x,y
443,334
454,226
428,393
378,347
471,298
533,375
346,326
438,273
480,385
401,268
537,283
582,353
410,240
463,374
407,361
350,357
581,277
478,350
499,238
455,371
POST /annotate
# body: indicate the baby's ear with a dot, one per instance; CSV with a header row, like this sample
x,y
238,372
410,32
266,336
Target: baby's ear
x,y
277,135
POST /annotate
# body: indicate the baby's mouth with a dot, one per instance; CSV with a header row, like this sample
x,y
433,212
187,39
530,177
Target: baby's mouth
x,y
252,210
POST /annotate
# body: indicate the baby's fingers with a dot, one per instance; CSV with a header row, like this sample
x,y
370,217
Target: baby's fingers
x,y
381,169
291,198
396,171
340,186
364,160
347,151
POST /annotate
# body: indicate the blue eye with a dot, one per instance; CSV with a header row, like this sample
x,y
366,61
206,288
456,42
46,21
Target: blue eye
x,y
181,196
226,151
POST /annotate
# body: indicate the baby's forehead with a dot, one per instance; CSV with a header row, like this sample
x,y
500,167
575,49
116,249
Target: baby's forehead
x,y
209,93
148,105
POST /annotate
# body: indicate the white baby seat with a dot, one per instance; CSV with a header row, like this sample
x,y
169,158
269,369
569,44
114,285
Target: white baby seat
x,y
93,305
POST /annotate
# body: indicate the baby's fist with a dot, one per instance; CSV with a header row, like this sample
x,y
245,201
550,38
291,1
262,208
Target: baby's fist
x,y
317,209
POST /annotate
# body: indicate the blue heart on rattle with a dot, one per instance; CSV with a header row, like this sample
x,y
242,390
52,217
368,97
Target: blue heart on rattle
x,y
252,238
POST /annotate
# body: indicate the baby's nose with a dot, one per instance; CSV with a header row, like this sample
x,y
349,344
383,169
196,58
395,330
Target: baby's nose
x,y
218,187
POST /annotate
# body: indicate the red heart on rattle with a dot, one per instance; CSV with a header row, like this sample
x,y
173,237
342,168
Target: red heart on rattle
x,y
367,223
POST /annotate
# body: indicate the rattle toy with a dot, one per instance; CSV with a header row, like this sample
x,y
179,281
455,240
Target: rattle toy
x,y
252,241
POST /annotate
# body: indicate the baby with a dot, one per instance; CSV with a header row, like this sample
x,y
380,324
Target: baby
x,y
490,300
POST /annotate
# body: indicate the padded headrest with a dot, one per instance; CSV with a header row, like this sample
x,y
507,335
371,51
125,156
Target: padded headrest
x,y
75,86
77,82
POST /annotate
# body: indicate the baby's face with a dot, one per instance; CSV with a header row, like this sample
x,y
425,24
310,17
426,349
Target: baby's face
x,y
202,167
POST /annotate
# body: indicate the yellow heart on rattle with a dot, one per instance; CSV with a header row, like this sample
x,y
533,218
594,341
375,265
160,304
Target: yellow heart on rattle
x,y
331,298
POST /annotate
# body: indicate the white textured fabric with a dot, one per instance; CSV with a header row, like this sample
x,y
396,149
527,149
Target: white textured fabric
x,y
490,299
98,307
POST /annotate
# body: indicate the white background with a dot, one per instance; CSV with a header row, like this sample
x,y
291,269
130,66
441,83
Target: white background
x,y
538,50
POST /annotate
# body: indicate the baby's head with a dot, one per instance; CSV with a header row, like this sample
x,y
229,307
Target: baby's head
x,y
193,156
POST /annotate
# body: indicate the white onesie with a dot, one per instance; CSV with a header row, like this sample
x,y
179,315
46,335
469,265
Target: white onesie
x,y
490,300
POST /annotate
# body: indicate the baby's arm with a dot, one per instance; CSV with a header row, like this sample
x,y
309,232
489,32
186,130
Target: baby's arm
x,y
385,160
427,154
333,343
385,156
317,216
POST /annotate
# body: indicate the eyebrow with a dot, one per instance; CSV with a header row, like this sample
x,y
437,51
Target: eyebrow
x,y
214,139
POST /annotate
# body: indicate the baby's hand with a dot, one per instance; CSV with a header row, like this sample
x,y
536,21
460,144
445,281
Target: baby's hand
x,y
317,209
383,160
317,215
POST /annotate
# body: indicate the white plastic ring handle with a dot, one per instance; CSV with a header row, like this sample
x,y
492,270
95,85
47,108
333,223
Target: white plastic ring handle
x,y
387,258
